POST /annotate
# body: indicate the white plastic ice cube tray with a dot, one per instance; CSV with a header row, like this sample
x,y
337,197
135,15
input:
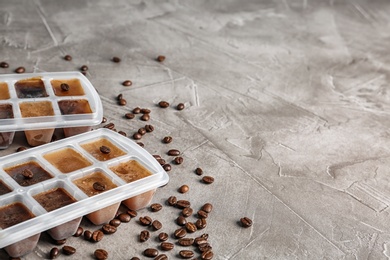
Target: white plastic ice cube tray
x,y
44,220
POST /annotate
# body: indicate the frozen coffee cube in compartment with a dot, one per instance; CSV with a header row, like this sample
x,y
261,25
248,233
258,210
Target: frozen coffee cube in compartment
x,y
67,87
94,183
75,107
37,109
55,198
30,88
4,188
67,160
27,173
6,138
4,92
103,149
129,171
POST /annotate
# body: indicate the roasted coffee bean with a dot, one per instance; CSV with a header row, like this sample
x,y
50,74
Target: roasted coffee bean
x,y
201,223
84,68
87,235
155,207
20,70
129,115
200,240
145,117
198,171
100,254
186,212
207,255
21,148
167,167
109,126
180,106
137,136
149,128
99,186
4,65
167,139
191,227
68,250
119,97
160,58
60,241
161,257
156,156
122,102
64,87
173,152
67,57
178,160
84,73
161,161
97,235
172,201
184,189
108,229
150,252
163,104
202,214
186,254
104,119
122,133
115,222
116,59
166,246
181,220
144,235
181,204
246,222
141,144
54,252
127,83
104,149
145,111
156,224
204,247
163,236
27,174
136,110
180,233
208,179
145,220
186,241
142,131
132,213
208,207
79,232
124,217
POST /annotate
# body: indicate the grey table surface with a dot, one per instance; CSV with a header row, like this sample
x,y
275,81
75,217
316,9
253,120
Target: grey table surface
x,y
287,107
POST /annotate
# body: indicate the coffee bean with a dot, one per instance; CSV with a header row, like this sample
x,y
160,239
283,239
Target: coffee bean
x,y
163,236
124,217
180,233
108,229
136,110
21,148
84,68
109,126
161,161
172,201
4,65
20,70
186,212
198,171
144,235
64,87
141,144
127,83
181,220
142,131
137,136
119,97
149,128
99,186
163,104
186,254
191,227
202,214
166,246
132,213
160,58
246,222
145,220
79,232
184,189
208,207
201,223
186,241
104,149
145,117
27,174
97,235
122,133
167,167
116,59
156,225
122,102
204,247
155,207
200,240
150,252
161,257
167,139
100,254
60,241
180,106
145,111
207,255
87,235
156,156
178,160
84,73
129,115
68,250
181,204
208,179
67,57
54,252
115,222
104,119
173,152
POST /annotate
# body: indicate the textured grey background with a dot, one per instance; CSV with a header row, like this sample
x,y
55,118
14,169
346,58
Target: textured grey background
x,y
287,106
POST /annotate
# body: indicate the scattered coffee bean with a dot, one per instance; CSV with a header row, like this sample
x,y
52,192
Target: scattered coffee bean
x,y
142,131
186,254
149,128
124,217
109,126
129,115
191,227
64,87
156,224
54,252
156,156
145,117
99,186
20,70
180,106
163,104
202,214
172,201
79,232
84,68
167,139
122,133
137,136
122,102
186,241
104,149
200,240
181,204
116,59
132,213
27,174
60,241
145,111
144,235
155,207
97,235
119,97
115,222
4,65
180,233
198,171
167,167
145,220
166,246
141,144
207,255
201,223
204,247
161,257
178,160
104,119
161,161
184,189
68,250
100,254
87,235
150,252
108,229
208,207
163,236
208,179
173,152
246,222
21,148
160,58
127,83
67,57
136,110
186,212
181,220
